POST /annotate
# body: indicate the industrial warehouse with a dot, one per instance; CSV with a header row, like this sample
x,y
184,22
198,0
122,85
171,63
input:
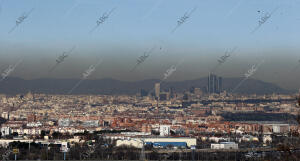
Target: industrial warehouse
x,y
159,142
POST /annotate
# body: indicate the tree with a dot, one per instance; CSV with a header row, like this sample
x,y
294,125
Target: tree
x,y
170,146
43,133
14,134
56,135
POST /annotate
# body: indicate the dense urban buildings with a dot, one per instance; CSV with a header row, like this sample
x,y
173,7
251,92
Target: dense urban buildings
x,y
202,121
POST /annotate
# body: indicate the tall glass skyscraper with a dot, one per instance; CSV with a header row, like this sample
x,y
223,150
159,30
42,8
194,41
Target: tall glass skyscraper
x,y
214,84
157,89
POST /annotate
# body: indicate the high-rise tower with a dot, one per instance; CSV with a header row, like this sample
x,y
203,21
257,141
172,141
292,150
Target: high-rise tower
x,y
157,90
214,84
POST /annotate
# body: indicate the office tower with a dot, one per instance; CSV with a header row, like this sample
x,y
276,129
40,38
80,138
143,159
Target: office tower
x,y
143,93
185,96
172,92
192,89
214,84
220,85
163,96
157,89
211,83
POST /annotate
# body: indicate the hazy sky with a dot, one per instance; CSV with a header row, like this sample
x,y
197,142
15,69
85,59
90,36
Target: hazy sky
x,y
137,26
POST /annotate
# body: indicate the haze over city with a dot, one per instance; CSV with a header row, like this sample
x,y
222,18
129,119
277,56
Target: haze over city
x,y
150,80
135,27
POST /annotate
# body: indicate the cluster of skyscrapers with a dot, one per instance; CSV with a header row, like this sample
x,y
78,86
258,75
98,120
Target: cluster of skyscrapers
x,y
157,93
214,84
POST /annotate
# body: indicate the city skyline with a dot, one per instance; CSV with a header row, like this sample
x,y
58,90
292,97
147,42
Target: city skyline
x,y
145,80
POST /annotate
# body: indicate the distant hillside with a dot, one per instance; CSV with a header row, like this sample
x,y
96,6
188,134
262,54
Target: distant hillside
x,y
112,86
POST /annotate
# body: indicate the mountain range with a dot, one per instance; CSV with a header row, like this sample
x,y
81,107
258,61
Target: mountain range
x,y
13,85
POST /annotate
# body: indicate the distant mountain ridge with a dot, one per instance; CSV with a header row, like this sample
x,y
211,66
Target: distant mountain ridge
x,y
12,85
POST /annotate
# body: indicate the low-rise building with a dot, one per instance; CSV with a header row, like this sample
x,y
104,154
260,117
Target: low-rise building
x,y
224,145
158,142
